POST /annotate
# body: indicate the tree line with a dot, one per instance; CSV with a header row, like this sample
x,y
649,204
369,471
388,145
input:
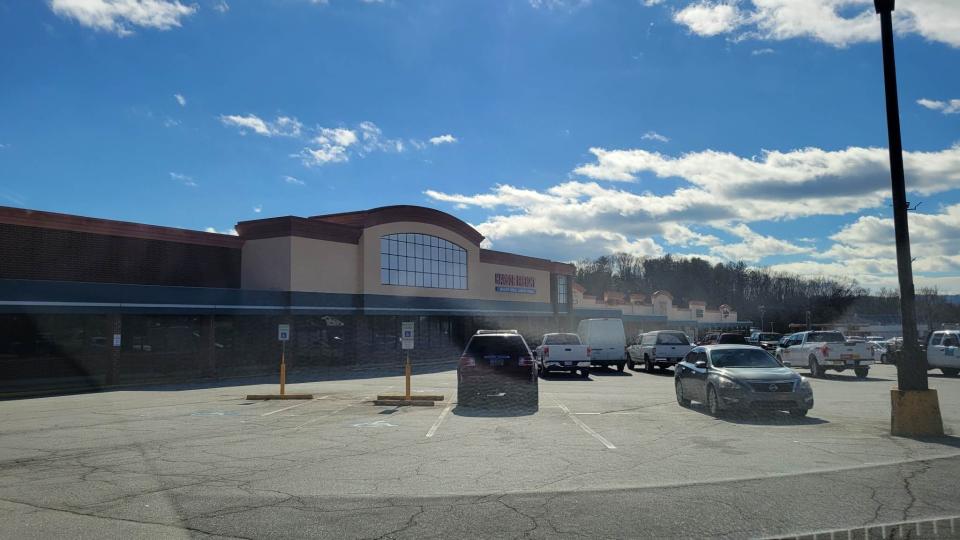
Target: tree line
x,y
777,298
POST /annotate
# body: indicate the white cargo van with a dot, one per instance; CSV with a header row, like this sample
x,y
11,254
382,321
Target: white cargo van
x,y
607,341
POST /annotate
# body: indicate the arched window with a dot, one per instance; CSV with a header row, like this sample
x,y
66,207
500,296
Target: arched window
x,y
422,260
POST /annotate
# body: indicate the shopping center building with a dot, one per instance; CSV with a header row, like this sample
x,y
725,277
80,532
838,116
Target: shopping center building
x,y
104,303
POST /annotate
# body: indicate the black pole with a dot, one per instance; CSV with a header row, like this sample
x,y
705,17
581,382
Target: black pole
x,y
911,368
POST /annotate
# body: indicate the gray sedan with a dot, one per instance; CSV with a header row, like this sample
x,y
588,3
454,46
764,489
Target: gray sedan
x,y
740,376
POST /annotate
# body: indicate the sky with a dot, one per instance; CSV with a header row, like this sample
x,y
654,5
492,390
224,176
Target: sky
x,y
748,130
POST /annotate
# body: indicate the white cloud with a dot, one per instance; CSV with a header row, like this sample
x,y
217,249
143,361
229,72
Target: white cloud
x,y
946,107
222,6
443,139
170,122
294,181
183,179
725,195
329,147
121,16
759,52
180,99
564,5
232,232
755,247
835,22
257,209
709,18
283,126
654,136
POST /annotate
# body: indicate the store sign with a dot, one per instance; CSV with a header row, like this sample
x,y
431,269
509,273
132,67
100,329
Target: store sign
x,y
515,283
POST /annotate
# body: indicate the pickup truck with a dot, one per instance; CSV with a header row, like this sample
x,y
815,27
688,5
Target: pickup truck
x,y
660,348
943,352
822,350
562,352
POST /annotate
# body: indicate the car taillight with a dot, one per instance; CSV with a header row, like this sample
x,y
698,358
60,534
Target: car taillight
x,y
526,361
546,351
825,350
467,361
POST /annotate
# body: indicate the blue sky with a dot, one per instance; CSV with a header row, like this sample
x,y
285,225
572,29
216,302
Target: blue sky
x,y
748,129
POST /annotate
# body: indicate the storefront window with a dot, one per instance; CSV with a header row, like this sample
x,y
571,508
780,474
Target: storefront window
x,y
421,260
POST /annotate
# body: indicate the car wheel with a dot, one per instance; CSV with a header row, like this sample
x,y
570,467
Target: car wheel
x,y
861,372
713,402
799,413
815,370
950,372
647,364
631,364
684,402
585,373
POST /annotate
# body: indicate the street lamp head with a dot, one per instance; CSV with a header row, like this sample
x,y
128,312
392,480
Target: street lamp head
x,y
883,5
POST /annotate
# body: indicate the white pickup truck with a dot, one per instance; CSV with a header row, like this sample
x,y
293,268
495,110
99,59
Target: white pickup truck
x,y
562,352
943,352
822,350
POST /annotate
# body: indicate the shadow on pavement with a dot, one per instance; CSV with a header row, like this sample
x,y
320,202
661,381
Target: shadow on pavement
x,y
761,418
565,377
834,376
493,409
607,372
659,372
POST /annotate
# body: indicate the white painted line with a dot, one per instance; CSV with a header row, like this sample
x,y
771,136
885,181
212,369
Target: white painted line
x,y
304,402
583,426
443,414
587,413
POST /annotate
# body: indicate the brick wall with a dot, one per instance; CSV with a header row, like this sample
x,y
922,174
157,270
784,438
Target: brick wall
x,y
53,254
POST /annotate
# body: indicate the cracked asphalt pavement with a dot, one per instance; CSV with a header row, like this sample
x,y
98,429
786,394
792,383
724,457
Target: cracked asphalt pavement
x,y
613,456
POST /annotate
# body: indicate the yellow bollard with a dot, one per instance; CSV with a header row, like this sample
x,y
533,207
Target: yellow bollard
x,y
407,372
283,374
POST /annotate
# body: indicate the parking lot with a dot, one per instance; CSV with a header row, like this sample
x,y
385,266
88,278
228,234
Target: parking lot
x,y
604,457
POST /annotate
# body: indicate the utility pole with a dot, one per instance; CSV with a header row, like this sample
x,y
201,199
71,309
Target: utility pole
x,y
913,403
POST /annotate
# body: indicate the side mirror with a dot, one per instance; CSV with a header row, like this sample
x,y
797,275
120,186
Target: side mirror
x,y
700,364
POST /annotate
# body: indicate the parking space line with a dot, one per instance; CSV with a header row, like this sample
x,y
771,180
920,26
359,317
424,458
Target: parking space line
x,y
443,414
302,403
583,426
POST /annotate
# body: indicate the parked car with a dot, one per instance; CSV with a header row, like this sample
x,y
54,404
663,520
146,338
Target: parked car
x,y
562,352
943,352
660,348
497,363
607,341
822,350
765,340
709,339
726,377
731,339
878,348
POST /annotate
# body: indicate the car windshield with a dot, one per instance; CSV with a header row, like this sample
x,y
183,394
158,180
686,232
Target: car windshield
x,y
562,339
672,339
742,358
826,337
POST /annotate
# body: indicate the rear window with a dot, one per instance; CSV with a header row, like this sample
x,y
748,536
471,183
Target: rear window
x,y
562,339
672,339
827,337
735,339
481,346
768,337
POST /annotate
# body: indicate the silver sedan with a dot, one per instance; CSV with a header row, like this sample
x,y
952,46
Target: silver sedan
x,y
726,377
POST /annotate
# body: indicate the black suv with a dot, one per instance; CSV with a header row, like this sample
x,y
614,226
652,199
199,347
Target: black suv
x,y
497,364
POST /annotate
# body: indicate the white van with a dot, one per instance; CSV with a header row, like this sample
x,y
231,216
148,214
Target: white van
x,y
607,341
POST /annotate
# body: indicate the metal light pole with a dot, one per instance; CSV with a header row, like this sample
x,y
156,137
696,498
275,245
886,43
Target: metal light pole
x,y
763,309
911,369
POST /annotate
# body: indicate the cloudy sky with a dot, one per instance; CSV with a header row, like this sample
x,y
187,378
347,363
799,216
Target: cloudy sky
x,y
746,130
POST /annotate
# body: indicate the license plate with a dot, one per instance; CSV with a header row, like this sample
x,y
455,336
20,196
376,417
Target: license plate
x,y
496,362
849,356
851,362
568,363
